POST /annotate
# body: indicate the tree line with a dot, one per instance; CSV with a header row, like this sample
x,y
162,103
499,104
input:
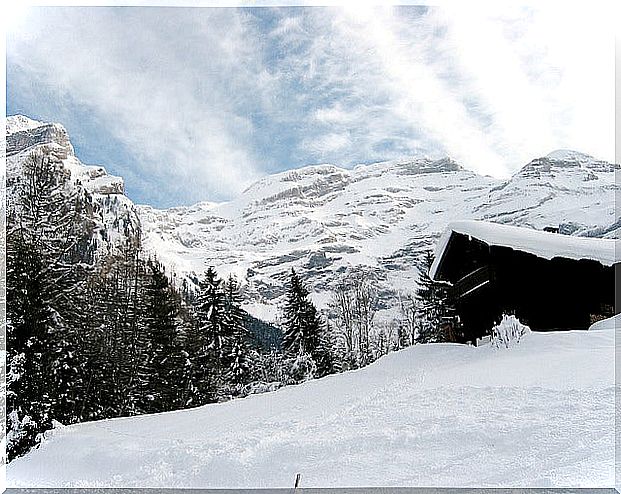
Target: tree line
x,y
91,338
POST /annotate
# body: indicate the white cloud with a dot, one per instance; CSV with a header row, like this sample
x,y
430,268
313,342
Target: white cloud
x,y
204,96
493,88
537,71
326,145
334,114
176,90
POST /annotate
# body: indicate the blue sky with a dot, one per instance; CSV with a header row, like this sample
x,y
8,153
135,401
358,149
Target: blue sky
x,y
191,104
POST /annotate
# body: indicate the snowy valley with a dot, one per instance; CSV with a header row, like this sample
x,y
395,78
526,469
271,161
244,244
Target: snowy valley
x,y
537,414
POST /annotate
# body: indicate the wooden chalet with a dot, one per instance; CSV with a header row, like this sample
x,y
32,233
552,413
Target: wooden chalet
x,y
548,280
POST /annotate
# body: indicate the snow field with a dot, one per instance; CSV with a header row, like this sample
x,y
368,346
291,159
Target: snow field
x,y
536,415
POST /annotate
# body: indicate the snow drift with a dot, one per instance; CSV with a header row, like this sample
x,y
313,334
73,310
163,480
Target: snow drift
x,y
538,414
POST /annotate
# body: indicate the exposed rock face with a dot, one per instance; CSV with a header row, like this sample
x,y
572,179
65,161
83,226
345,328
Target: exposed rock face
x,y
115,215
37,136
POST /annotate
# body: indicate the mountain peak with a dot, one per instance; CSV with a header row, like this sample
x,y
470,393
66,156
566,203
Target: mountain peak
x,y
566,160
19,123
569,155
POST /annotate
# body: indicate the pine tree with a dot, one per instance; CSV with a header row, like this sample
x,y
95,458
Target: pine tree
x,y
302,325
432,305
201,379
211,315
304,339
49,252
209,336
164,366
237,360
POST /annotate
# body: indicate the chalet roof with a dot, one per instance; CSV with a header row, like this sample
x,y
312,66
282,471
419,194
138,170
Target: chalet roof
x,y
542,244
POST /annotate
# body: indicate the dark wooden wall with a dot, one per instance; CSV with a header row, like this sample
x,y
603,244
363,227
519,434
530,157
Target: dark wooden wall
x,y
556,294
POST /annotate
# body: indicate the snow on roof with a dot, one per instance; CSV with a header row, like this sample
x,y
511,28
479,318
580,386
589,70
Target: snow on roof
x,y
542,244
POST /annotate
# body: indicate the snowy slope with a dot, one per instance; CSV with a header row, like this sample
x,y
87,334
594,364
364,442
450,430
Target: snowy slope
x,y
540,414
322,220
565,188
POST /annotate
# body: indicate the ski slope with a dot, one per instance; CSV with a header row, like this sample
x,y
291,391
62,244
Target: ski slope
x,y
536,415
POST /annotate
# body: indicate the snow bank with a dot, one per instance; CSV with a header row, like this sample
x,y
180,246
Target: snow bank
x,y
542,244
540,414
610,324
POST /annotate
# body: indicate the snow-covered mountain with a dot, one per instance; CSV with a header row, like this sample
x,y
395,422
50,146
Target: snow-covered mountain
x,y
327,221
443,415
567,189
115,215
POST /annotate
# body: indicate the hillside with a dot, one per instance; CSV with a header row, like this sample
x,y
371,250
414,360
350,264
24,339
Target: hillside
x,y
429,415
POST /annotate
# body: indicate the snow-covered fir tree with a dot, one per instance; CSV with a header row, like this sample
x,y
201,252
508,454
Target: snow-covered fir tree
x,y
301,320
302,338
211,315
49,252
163,369
433,307
237,358
212,339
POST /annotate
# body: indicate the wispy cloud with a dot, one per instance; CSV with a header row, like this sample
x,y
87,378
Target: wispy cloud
x,y
177,87
207,100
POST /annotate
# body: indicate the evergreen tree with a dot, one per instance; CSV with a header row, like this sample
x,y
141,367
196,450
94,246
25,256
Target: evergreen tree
x,y
237,361
302,324
201,378
211,314
305,338
49,251
209,339
163,368
432,306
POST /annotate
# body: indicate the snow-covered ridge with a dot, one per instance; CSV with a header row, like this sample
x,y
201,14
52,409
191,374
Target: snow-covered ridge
x,y
326,221
25,134
115,214
18,123
443,415
568,154
576,158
